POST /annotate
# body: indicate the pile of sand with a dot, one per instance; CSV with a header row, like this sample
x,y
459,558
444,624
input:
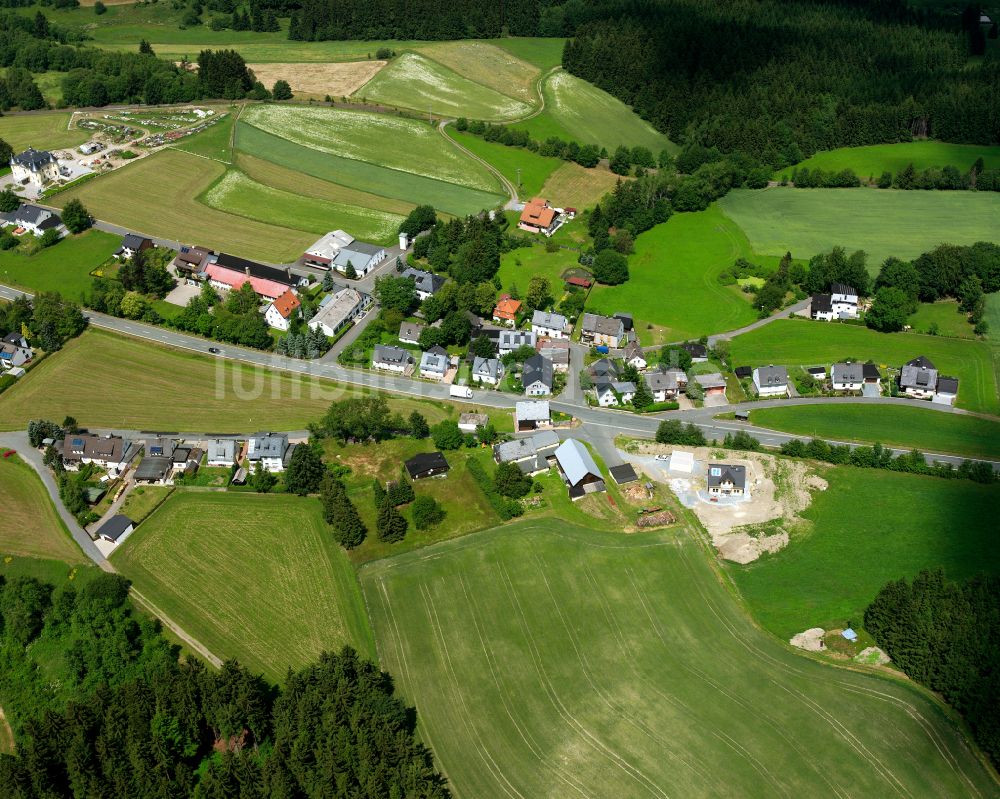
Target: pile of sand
x,y
811,640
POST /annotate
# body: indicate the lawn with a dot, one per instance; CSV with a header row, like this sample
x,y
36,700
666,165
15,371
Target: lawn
x,y
674,279
534,169
801,342
29,524
215,142
992,316
545,659
171,210
871,162
422,84
143,500
543,53
108,380
916,427
573,186
236,193
253,577
65,267
858,540
405,145
579,111
945,314
880,222
40,130
487,64
370,177
517,267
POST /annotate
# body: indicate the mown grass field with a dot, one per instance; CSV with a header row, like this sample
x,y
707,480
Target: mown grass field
x,y
485,63
171,211
216,142
898,426
140,385
65,267
880,222
673,283
41,131
368,177
871,162
535,169
864,531
572,185
544,53
517,267
236,193
29,524
992,316
945,314
798,342
577,110
545,659
253,577
413,81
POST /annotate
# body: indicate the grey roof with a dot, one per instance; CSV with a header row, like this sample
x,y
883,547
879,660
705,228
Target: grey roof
x,y
545,439
512,339
553,321
534,465
532,411
115,527
486,367
160,447
432,361
410,331
604,325
267,445
515,450
33,159
222,449
357,253
847,373
133,241
921,362
153,467
387,354
918,377
719,473
537,369
822,303
843,288
771,375
576,461
624,473
663,379
947,385
604,368
32,215
715,380
632,350
425,281
870,371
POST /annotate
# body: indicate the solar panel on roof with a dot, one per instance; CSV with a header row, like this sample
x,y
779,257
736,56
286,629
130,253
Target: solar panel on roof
x,y
77,442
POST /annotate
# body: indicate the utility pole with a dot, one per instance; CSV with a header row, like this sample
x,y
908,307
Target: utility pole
x,y
519,177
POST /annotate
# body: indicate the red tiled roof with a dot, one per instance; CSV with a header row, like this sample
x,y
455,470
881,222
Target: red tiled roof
x,y
286,303
507,308
235,279
579,281
537,213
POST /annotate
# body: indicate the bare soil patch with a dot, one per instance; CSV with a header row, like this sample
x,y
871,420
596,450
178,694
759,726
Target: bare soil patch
x,y
7,746
810,640
334,79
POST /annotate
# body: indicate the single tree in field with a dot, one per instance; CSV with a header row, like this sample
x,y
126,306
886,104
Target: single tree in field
x,y
76,218
427,512
281,90
305,470
418,425
145,48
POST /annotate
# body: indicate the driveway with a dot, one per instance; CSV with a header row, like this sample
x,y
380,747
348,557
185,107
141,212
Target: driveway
x,y
182,294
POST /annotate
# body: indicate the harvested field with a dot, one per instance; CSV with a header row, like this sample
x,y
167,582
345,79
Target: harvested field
x,y
318,80
572,185
489,65
43,131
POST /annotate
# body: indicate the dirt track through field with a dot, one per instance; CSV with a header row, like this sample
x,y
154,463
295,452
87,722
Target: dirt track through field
x,y
334,79
7,746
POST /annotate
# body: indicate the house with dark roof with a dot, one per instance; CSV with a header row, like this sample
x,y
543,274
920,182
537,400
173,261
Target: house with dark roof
x,y
116,529
603,369
34,219
391,359
34,168
847,376
602,330
634,355
947,390
131,244
840,303
771,381
271,450
409,332
110,452
726,479
537,376
427,284
426,464
697,351
614,392
918,378
154,469
821,308
14,351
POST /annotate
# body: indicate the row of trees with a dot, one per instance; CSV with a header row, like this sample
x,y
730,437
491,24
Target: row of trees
x,y
947,178
237,319
943,635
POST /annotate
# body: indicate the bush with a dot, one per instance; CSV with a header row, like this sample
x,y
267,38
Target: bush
x,y
610,267
505,508
671,431
427,512
281,90
510,481
446,435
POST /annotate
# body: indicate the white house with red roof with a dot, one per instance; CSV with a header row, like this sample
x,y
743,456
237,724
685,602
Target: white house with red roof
x,y
282,310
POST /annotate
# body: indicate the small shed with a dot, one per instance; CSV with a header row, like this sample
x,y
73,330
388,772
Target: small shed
x,y
681,461
116,529
426,464
623,474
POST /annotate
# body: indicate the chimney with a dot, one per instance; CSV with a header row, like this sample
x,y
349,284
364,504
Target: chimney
x,y
247,270
288,271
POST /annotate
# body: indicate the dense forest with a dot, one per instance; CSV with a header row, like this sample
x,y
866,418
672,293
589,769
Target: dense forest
x,y
101,707
943,634
780,80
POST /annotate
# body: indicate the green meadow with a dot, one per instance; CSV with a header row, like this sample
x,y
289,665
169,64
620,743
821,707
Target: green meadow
x,y
800,342
872,161
857,538
945,315
65,268
512,162
882,222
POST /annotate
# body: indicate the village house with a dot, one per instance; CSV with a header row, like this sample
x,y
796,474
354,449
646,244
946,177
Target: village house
x,y
712,385
550,325
847,376
487,370
109,452
434,363
186,460
815,372
153,469
506,310
190,263
511,340
221,452
872,380
470,422
282,310
634,355
616,392
391,359
226,280
603,369
918,378
556,350
727,480
540,217
14,351
697,351
578,469
426,464
337,250
665,384
116,529
35,169
771,381
131,244
338,310
531,415
427,284
602,330
271,450
409,332
34,219
536,376
840,303
532,455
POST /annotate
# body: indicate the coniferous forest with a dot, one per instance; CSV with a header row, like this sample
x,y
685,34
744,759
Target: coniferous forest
x,y
101,707
944,635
